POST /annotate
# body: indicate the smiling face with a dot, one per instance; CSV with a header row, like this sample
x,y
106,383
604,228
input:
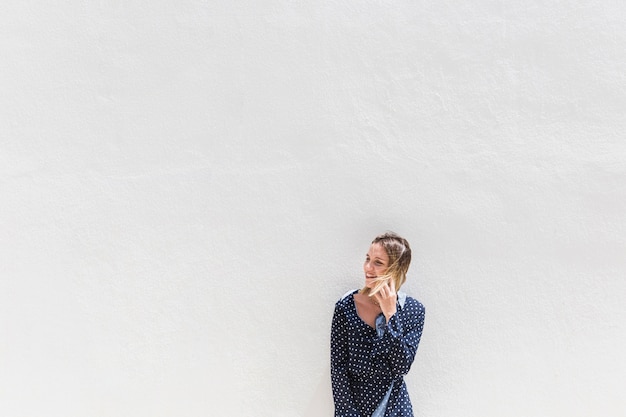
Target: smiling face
x,y
376,264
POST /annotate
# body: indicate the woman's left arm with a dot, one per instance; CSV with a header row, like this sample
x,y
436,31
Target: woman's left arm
x,y
401,337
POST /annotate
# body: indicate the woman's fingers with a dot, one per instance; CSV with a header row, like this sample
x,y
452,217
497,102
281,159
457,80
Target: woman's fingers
x,y
387,297
388,289
382,290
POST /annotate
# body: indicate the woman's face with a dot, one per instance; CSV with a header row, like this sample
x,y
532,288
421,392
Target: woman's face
x,y
376,263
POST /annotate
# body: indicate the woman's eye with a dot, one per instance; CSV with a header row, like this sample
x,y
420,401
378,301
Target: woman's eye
x,y
379,263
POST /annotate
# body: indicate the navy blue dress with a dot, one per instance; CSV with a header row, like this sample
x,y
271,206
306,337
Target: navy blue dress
x,y
366,364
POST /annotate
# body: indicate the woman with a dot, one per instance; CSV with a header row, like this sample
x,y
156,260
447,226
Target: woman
x,y
374,336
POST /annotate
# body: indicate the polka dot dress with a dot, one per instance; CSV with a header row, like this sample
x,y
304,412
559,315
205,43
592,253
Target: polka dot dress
x,y
366,364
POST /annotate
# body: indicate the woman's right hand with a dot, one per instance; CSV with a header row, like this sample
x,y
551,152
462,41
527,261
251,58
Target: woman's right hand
x,y
387,298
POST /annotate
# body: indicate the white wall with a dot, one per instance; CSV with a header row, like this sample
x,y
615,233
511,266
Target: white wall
x,y
187,187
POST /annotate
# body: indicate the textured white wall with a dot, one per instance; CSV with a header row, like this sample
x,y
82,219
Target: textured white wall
x,y
187,187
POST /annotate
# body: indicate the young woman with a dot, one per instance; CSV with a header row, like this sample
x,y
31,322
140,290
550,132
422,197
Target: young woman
x,y
374,336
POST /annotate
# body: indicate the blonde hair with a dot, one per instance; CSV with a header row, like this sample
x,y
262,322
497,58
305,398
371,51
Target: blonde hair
x,y
399,253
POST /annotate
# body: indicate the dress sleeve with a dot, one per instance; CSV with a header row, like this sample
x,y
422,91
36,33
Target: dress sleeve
x,y
400,340
342,395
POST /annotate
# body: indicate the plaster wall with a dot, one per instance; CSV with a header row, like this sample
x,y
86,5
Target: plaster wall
x,y
186,188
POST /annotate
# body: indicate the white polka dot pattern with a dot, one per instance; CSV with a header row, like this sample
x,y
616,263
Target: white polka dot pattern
x,y
364,365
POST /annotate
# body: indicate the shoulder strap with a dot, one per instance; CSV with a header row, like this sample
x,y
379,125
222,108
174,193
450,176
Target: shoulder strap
x,y
401,298
346,294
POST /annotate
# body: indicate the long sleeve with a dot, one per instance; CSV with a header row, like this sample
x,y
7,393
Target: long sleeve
x,y
344,402
401,337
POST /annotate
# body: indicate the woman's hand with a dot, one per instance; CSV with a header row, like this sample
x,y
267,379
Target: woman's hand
x,y
387,298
